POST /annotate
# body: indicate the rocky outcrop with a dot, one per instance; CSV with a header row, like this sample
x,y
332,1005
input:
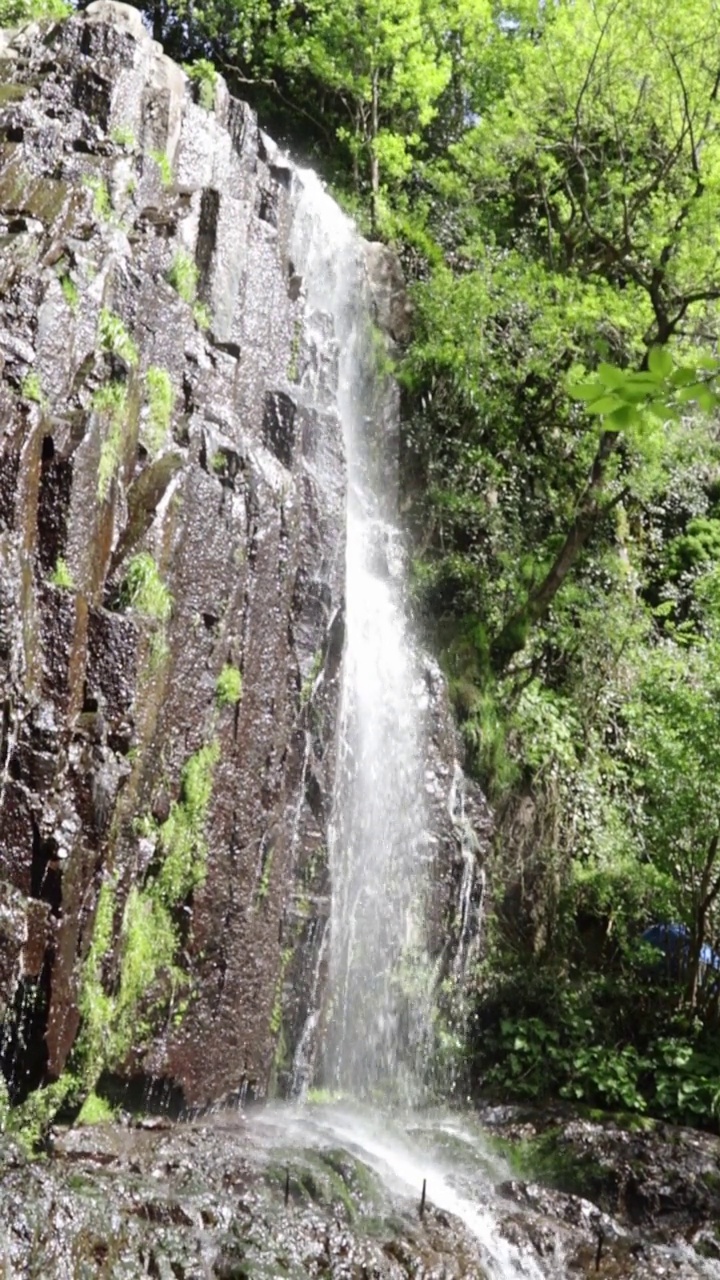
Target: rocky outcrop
x,y
171,573
172,535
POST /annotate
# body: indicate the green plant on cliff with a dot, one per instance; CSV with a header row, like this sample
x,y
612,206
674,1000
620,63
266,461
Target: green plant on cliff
x,y
162,160
203,75
71,292
228,686
183,276
61,576
160,399
15,12
115,338
143,588
102,205
31,388
181,837
110,403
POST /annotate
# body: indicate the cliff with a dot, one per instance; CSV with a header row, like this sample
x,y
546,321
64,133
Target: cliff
x,y
172,509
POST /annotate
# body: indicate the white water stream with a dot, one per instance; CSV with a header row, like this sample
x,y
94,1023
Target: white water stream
x,y
381,983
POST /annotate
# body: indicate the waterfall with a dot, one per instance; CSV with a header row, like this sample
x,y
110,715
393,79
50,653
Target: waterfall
x,y
380,998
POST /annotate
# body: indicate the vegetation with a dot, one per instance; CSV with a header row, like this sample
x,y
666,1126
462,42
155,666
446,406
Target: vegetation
x,y
549,177
102,206
115,338
70,292
228,686
183,276
110,402
160,399
14,12
203,75
143,588
61,576
162,160
32,388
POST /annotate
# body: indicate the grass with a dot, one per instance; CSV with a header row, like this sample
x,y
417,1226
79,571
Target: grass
x,y
115,338
102,207
143,588
162,160
228,687
183,276
70,292
160,399
110,401
201,316
61,576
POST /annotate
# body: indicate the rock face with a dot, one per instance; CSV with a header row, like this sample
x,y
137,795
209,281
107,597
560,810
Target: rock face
x,y
170,512
172,508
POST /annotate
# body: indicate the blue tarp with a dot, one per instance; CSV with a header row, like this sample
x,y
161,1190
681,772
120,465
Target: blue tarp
x,y
674,942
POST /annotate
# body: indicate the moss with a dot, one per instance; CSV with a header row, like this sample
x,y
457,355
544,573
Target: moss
x,y
276,1012
182,836
32,389
160,399
264,886
547,1159
228,687
61,576
123,136
293,370
95,1110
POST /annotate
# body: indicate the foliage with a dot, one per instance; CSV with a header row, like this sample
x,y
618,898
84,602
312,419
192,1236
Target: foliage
x,y
160,399
143,588
102,206
228,686
32,388
115,338
183,276
203,75
61,576
71,293
15,12
95,1110
162,160
181,837
110,401
123,136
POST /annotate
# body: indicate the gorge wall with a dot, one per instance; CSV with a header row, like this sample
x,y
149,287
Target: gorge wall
x,y
172,533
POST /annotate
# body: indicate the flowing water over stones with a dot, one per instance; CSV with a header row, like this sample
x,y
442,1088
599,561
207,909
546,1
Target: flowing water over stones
x,y
380,975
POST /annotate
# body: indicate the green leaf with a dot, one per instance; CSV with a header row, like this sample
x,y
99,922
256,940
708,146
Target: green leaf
x,y
606,404
585,390
660,362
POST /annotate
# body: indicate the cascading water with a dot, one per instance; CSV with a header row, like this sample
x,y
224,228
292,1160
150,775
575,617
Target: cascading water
x,y
379,1018
380,977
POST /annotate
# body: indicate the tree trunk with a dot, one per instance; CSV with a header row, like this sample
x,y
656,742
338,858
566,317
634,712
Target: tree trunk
x,y
515,631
